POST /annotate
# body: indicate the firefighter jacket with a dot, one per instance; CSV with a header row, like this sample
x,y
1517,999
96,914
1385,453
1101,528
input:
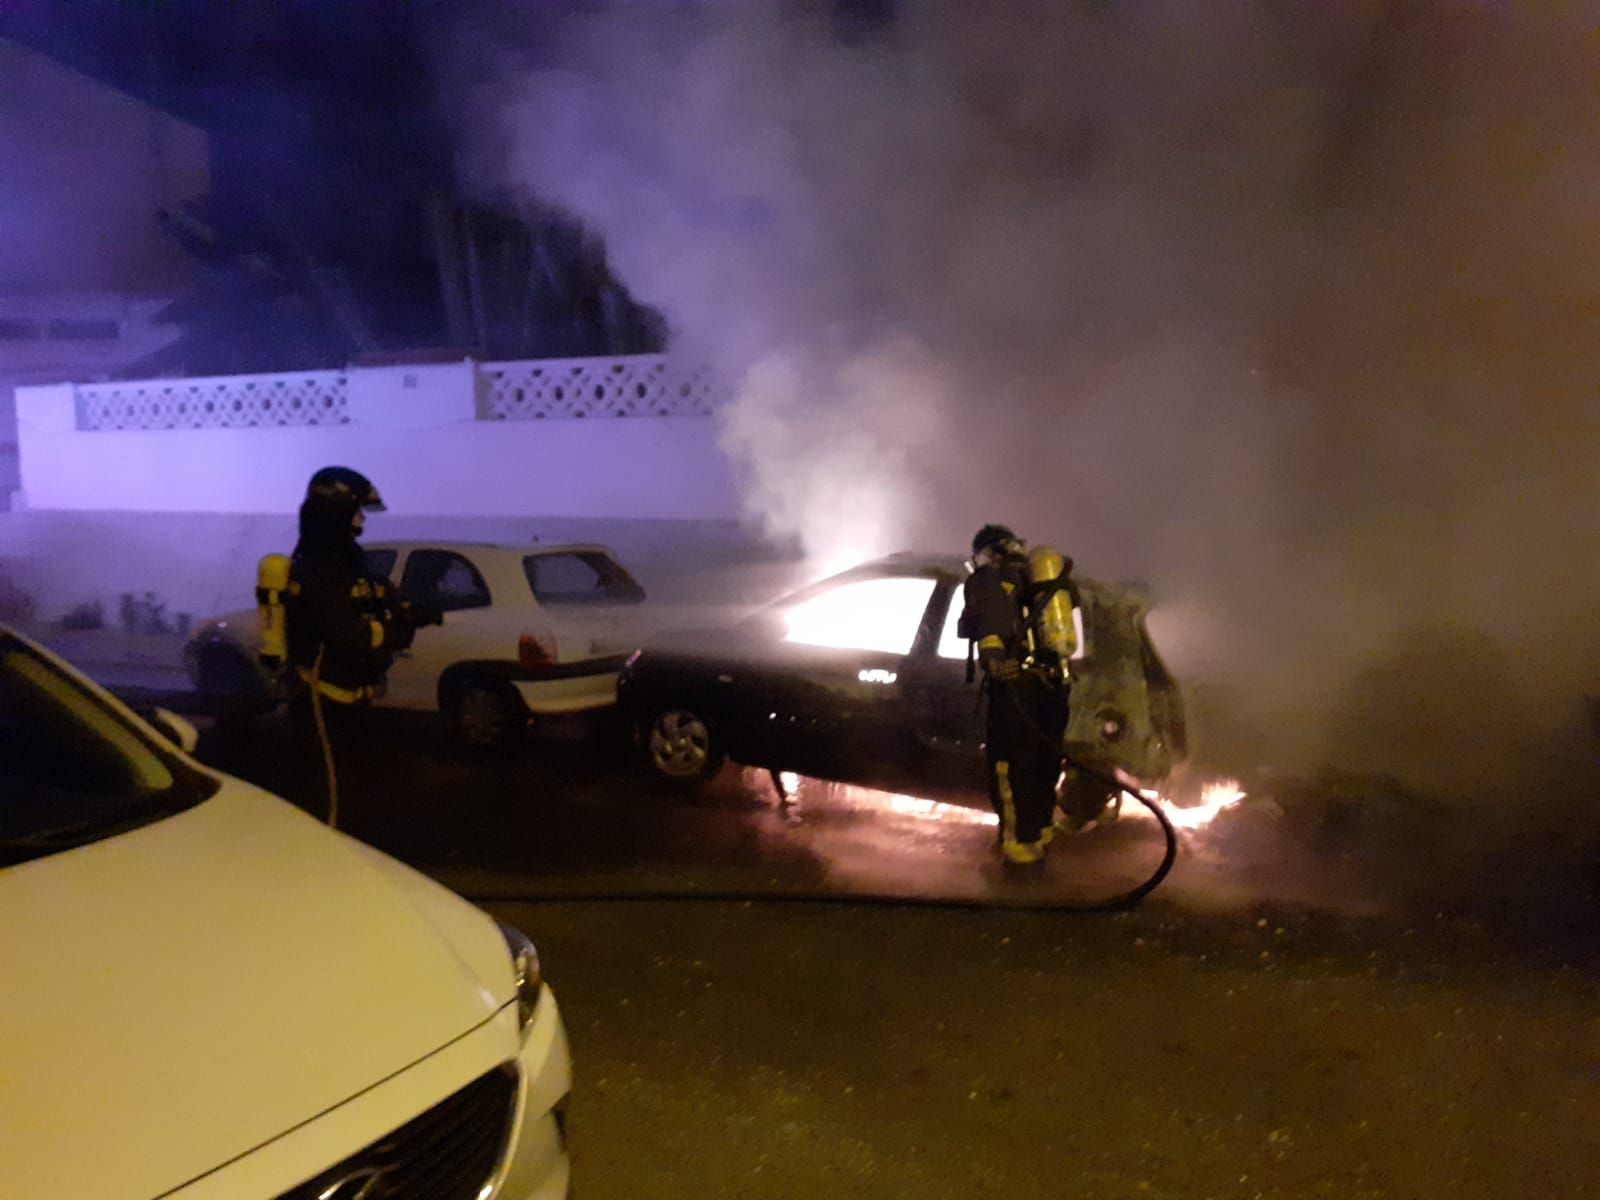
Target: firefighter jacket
x,y
343,625
994,617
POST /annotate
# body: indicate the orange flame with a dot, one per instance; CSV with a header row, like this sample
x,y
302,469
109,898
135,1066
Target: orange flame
x,y
1216,797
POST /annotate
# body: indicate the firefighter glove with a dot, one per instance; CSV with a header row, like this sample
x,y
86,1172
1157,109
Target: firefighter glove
x,y
398,634
417,615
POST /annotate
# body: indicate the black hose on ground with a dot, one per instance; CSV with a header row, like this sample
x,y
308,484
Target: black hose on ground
x,y
1117,903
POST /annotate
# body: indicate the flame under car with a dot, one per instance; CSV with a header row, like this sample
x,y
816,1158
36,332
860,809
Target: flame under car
x,y
862,678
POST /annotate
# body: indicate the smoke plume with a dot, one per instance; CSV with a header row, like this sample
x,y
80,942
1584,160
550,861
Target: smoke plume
x,y
1289,310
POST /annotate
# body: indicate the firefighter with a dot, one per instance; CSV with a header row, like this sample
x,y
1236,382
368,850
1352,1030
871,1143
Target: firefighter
x,y
343,627
1012,617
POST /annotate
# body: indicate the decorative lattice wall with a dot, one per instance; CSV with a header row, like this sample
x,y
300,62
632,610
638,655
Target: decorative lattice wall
x,y
223,402
536,389
636,386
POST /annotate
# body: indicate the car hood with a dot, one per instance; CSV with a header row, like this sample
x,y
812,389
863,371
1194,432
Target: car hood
x,y
746,642
176,996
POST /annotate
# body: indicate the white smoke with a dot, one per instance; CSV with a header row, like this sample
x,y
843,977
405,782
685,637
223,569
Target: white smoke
x,y
1286,309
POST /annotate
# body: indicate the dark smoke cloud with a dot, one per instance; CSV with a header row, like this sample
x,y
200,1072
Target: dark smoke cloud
x,y
1290,310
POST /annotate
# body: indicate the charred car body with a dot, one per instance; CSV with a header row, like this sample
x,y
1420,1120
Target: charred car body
x,y
863,678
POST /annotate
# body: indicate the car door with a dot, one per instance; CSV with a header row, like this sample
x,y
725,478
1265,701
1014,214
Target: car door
x,y
449,582
943,709
833,693
586,602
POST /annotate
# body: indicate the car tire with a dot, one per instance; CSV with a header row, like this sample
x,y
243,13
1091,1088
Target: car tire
x,y
680,747
1084,799
230,686
485,715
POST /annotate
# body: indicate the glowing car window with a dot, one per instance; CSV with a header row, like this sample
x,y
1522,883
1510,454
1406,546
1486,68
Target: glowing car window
x,y
869,614
953,645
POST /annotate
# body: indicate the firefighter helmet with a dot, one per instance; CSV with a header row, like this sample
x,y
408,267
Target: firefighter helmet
x,y
343,485
995,535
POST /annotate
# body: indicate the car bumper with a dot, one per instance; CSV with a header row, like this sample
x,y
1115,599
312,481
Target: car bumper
x,y
537,1165
533,1166
579,693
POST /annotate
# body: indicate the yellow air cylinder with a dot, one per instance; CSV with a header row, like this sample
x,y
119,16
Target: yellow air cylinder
x,y
1053,631
272,631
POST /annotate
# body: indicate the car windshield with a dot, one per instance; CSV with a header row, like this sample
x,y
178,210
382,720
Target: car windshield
x,y
73,770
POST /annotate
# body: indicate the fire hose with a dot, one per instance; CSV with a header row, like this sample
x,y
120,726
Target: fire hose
x,y
321,724
1049,745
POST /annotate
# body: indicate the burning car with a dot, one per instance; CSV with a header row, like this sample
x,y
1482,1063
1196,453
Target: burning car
x,y
862,678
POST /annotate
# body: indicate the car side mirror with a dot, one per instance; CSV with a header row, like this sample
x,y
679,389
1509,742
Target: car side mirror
x,y
177,730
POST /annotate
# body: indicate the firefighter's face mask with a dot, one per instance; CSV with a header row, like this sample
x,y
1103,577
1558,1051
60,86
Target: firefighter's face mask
x,y
996,553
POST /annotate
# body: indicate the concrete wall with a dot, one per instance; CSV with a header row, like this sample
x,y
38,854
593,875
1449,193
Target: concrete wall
x,y
83,170
422,446
185,513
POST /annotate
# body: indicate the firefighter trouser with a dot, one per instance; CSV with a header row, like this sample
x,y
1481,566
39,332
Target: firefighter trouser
x,y
349,733
1025,723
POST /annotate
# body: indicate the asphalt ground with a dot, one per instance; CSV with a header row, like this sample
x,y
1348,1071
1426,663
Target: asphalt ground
x,y
1341,991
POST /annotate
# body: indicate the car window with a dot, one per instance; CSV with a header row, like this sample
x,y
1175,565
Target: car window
x,y
73,769
580,577
444,580
953,645
380,563
880,614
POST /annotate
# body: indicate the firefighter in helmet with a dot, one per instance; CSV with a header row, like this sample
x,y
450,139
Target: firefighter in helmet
x,y
1019,617
342,626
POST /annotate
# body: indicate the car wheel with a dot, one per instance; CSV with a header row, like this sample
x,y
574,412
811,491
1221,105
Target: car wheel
x,y
1084,799
681,747
485,715
228,682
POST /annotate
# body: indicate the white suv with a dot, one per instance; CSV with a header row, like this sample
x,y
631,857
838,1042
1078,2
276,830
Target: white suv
x,y
206,993
528,631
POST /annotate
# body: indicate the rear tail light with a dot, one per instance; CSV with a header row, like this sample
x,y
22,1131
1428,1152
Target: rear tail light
x,y
536,651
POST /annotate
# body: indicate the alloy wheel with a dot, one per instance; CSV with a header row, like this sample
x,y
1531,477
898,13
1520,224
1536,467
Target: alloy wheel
x,y
680,744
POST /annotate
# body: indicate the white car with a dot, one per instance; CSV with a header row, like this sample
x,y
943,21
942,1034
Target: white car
x,y
528,631
205,993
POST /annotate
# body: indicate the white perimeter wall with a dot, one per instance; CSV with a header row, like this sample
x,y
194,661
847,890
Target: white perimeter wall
x,y
422,445
185,513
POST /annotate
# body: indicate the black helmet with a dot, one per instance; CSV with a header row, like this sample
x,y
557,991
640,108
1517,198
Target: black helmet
x,y
342,486
991,535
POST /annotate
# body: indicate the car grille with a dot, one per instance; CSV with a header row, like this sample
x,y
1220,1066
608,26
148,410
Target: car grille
x,y
448,1153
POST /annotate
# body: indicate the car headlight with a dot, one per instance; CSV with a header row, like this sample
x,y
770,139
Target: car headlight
x,y
525,967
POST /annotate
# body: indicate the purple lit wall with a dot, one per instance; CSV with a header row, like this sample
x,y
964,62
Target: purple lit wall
x,y
186,513
423,444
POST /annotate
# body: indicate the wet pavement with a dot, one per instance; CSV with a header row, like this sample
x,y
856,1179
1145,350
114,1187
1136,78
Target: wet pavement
x,y
1327,998
570,814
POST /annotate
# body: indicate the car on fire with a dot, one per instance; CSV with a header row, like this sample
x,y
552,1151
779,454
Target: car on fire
x,y
529,631
863,678
207,993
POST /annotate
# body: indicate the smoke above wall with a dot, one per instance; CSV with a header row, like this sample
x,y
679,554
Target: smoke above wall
x,y
1288,310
